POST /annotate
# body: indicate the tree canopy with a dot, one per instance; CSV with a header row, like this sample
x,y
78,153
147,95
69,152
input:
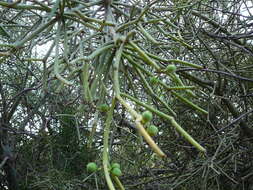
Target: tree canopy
x,y
126,94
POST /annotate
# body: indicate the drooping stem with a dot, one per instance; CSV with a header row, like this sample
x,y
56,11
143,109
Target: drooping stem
x,y
106,146
137,117
186,135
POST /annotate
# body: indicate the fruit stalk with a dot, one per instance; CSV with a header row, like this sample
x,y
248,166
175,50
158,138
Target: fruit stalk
x,y
171,119
141,129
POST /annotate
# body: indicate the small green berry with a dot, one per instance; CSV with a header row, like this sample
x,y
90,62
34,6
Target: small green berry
x,y
152,130
171,68
153,80
103,107
91,167
146,116
115,165
116,171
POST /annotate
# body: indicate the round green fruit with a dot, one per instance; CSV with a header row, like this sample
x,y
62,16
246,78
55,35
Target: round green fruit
x,y
153,80
103,107
115,165
91,167
152,130
146,116
171,68
116,171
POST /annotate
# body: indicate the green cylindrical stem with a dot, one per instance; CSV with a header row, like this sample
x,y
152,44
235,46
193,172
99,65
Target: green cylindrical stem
x,y
106,146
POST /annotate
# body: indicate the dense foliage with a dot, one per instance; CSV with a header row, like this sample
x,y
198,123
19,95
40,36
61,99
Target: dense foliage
x,y
83,82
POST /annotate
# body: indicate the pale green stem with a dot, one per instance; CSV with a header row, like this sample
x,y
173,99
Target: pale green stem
x,y
189,103
109,120
146,84
86,88
141,129
173,37
33,59
56,64
21,6
174,61
20,43
144,56
91,26
8,45
119,184
116,69
147,35
133,113
176,78
130,23
89,19
106,146
94,54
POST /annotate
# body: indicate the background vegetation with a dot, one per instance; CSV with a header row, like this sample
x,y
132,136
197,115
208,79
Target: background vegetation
x,y
61,60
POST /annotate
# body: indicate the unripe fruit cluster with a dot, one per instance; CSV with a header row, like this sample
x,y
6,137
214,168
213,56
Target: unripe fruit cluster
x,y
103,108
91,167
153,80
171,68
146,116
152,130
115,169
